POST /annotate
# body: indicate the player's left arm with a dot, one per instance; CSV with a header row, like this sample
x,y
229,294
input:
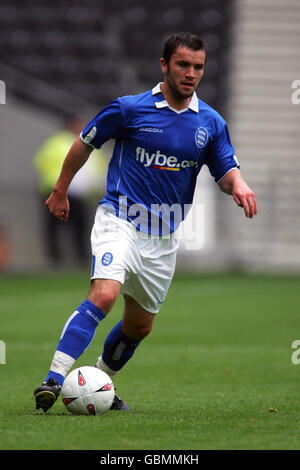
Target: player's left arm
x,y
234,184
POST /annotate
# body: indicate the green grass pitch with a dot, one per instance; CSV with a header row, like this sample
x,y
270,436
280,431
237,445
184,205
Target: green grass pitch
x,y
215,373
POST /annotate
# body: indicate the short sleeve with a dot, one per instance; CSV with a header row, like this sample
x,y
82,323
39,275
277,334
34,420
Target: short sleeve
x,y
221,158
106,125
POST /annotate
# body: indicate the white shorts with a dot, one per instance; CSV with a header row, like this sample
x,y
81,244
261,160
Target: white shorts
x,y
143,264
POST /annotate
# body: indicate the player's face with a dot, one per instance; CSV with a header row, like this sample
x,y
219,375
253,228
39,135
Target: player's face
x,y
183,72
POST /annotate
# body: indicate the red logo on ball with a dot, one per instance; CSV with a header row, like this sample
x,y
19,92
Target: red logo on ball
x,y
91,409
106,387
81,380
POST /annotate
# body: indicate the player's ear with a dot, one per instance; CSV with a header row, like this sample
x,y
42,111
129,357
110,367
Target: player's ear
x,y
163,65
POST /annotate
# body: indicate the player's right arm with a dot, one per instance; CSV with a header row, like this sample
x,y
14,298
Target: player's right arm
x,y
107,124
58,203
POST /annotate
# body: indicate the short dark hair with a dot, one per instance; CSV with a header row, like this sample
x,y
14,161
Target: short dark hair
x,y
175,40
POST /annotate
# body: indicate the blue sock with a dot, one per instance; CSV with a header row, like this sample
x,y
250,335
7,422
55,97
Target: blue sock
x,y
118,348
80,329
78,333
54,375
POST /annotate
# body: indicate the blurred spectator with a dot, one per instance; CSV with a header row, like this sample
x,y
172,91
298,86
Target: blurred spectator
x,y
88,184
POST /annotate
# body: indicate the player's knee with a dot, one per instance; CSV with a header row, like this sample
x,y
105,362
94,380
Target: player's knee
x,y
104,294
104,300
144,331
137,332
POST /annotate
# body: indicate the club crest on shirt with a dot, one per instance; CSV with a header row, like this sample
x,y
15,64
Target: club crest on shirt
x,y
201,137
107,258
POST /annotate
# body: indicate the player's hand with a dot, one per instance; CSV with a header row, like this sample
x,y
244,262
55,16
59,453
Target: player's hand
x,y
58,206
245,198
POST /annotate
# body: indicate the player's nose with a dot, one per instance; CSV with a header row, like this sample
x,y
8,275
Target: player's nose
x,y
190,72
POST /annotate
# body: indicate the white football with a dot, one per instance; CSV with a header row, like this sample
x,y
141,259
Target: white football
x,y
87,391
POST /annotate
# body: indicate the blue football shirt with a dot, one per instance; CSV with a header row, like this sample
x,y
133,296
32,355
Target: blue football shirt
x,y
158,154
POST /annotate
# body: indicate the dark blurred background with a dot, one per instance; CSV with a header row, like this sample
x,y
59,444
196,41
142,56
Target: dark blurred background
x,y
95,50
62,59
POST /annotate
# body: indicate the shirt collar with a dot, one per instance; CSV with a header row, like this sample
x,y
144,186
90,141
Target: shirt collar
x,y
193,105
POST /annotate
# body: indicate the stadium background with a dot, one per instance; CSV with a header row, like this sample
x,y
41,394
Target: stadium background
x,y
216,373
57,59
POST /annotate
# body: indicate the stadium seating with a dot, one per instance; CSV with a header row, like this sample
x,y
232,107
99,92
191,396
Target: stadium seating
x,y
98,50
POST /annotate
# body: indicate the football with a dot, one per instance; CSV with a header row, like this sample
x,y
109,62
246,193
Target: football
x,y
87,391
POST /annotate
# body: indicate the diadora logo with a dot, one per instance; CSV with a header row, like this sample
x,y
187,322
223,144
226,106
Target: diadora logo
x,y
162,162
151,129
